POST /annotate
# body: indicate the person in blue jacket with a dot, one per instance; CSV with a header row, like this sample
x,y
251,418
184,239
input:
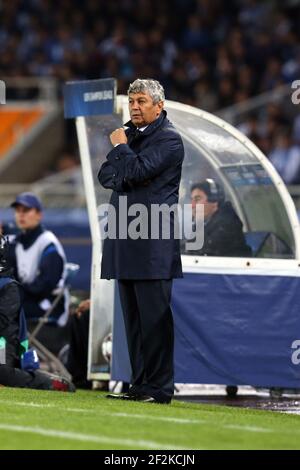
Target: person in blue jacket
x,y
39,260
145,166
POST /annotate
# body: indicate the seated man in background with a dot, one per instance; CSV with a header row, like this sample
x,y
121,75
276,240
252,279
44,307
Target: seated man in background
x,y
223,229
13,336
39,261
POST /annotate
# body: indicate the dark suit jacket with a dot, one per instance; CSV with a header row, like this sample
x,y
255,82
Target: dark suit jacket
x,y
147,170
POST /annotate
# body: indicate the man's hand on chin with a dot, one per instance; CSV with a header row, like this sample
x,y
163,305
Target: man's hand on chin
x,y
118,137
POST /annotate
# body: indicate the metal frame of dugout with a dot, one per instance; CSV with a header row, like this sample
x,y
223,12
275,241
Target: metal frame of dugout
x,y
237,320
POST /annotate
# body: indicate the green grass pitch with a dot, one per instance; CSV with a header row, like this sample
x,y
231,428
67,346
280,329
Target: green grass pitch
x,y
87,420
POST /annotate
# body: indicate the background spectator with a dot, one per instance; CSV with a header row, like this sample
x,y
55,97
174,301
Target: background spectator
x,y
207,53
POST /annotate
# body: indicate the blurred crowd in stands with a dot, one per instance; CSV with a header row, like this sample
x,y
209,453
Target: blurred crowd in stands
x,y
207,53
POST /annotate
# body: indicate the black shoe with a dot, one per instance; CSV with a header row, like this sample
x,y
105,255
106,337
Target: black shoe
x,y
122,396
115,396
145,399
136,397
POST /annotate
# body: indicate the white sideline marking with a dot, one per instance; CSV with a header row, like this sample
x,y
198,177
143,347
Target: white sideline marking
x,y
238,427
48,405
161,418
118,415
87,437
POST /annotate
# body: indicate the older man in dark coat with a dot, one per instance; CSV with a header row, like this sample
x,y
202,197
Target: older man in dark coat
x,y
145,166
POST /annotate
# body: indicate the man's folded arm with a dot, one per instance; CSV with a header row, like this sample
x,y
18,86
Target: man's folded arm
x,y
110,177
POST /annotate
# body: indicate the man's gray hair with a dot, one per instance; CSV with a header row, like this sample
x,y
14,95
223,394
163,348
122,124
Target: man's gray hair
x,y
150,86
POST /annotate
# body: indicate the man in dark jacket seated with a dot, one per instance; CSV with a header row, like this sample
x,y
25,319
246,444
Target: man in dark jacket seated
x,y
223,229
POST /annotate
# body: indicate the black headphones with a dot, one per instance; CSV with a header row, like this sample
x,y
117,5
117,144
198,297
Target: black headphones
x,y
212,189
216,192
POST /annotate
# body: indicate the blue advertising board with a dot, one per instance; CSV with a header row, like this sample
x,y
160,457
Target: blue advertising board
x,y
229,329
89,97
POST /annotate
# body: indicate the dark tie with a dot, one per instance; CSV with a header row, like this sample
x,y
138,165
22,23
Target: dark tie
x,y
137,133
134,135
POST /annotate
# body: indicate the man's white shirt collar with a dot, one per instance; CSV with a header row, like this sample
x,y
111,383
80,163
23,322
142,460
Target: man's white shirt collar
x,y
141,129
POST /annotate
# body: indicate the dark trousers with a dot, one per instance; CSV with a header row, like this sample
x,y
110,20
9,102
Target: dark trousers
x,y
12,377
11,335
78,352
10,304
150,336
